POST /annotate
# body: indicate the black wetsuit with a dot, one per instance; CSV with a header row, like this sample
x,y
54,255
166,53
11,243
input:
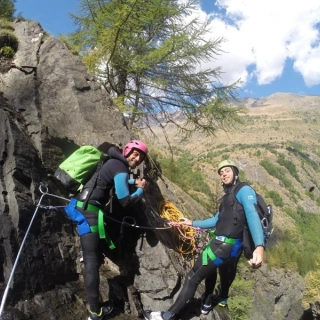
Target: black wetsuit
x,y
114,173
227,273
227,226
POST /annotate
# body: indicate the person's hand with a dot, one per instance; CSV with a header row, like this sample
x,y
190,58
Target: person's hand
x,y
257,257
182,221
141,183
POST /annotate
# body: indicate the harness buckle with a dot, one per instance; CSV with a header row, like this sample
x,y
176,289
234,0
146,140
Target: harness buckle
x,y
265,224
221,238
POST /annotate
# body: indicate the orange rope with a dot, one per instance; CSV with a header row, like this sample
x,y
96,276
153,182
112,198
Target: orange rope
x,y
186,244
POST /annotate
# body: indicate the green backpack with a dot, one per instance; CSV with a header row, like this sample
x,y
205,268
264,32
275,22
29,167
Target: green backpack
x,y
79,167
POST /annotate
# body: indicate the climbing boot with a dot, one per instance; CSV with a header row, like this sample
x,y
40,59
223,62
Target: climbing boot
x,y
105,310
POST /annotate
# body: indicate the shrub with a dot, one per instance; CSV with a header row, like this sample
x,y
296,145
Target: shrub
x,y
298,250
290,166
6,24
278,173
188,177
8,40
241,302
276,198
7,52
258,153
312,290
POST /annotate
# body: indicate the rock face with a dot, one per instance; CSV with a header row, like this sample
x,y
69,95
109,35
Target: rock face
x,y
49,105
277,294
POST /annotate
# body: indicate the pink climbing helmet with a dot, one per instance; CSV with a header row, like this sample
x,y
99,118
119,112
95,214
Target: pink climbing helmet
x,y
134,144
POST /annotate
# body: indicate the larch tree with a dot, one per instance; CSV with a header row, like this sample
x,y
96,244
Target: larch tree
x,y
148,54
7,9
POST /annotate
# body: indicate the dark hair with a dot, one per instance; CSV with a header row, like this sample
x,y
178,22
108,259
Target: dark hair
x,y
235,171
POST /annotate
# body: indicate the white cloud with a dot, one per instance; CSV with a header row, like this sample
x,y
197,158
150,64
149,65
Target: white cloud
x,y
264,34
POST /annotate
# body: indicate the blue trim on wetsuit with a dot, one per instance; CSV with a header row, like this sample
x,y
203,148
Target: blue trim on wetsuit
x,y
218,261
122,191
206,223
132,181
236,248
247,198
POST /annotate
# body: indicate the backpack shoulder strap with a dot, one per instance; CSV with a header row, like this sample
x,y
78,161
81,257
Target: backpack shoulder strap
x,y
96,176
234,190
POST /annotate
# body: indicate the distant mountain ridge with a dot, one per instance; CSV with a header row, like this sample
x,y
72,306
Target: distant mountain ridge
x,y
280,98
263,105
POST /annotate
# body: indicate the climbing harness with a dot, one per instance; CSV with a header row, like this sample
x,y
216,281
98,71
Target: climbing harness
x,y
83,226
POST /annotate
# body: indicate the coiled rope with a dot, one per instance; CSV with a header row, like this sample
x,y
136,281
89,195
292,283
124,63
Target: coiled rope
x,y
186,243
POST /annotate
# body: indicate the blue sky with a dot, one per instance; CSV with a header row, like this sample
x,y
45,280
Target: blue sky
x,y
271,45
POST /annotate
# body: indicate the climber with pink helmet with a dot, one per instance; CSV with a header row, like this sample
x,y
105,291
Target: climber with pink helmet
x,y
114,174
134,144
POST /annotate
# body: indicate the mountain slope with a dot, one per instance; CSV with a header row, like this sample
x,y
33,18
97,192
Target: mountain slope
x,y
276,150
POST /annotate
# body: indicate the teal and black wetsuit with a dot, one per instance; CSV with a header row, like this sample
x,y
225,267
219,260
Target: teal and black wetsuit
x,y
114,173
225,246
227,226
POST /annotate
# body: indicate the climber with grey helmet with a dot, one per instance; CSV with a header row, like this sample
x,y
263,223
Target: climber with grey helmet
x,y
226,243
113,175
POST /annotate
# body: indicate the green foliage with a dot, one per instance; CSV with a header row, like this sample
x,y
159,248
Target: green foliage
x,y
258,153
6,24
312,290
8,43
65,40
188,177
279,174
224,157
222,145
284,255
296,146
184,175
297,149
289,165
7,9
276,198
271,169
310,194
298,249
240,302
149,60
7,52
